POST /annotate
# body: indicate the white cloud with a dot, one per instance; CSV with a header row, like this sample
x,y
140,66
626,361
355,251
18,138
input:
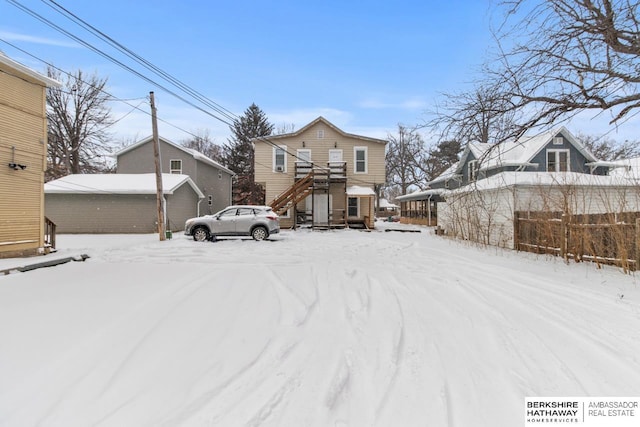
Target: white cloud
x,y
10,36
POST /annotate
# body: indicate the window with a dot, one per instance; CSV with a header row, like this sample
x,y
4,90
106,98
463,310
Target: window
x,y
472,169
557,160
352,208
558,140
279,159
245,211
320,133
175,166
360,159
230,212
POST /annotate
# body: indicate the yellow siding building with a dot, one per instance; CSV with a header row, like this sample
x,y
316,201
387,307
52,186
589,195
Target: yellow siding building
x,y
321,175
23,158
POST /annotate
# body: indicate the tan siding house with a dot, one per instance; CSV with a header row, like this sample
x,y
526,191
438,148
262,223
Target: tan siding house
x,y
321,175
23,158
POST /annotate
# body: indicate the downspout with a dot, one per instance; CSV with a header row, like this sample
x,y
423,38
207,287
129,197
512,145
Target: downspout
x,y
198,207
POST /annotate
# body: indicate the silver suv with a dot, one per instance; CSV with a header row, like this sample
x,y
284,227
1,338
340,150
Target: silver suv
x,y
258,222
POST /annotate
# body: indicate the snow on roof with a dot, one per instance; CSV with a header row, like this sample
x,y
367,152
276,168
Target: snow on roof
x,y
119,183
384,203
513,178
626,167
450,172
421,194
360,191
513,153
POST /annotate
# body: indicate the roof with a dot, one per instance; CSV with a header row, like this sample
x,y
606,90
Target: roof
x,y
326,122
356,190
384,203
513,153
46,81
512,179
626,167
421,194
194,153
120,183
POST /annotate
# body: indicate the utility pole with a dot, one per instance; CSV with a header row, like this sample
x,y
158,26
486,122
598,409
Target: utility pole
x,y
156,156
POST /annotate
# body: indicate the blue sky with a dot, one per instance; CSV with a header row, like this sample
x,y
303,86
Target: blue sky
x,y
364,65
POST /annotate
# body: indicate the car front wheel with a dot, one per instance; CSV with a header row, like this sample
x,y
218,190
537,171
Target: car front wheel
x,y
200,234
259,233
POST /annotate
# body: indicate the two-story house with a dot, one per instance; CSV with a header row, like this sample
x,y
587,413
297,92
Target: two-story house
x,y
321,175
551,172
23,159
212,179
554,151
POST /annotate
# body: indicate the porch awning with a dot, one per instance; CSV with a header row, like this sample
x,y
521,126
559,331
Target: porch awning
x,y
357,191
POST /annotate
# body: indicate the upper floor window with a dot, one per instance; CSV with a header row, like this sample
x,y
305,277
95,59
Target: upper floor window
x,y
558,140
175,166
360,160
472,170
557,160
320,133
279,159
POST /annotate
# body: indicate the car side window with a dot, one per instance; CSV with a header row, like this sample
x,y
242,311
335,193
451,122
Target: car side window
x,y
229,212
245,211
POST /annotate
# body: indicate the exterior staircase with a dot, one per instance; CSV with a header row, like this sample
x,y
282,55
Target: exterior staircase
x,y
294,194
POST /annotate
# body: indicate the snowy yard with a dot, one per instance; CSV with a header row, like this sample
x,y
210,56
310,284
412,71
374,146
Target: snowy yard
x,y
340,328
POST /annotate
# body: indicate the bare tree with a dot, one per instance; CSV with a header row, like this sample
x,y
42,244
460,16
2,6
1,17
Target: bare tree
x,y
202,142
559,57
609,149
405,159
481,115
285,128
78,118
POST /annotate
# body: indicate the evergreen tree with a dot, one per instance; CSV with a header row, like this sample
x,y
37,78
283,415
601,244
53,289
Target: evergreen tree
x,y
239,154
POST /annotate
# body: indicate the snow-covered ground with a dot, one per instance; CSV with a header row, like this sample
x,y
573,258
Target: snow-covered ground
x,y
340,328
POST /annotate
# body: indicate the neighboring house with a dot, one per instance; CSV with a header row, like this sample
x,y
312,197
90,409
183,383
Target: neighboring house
x,y
23,159
554,151
551,171
213,179
321,175
119,203
387,209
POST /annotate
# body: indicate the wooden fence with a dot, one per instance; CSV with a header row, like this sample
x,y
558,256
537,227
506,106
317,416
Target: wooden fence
x,y
602,238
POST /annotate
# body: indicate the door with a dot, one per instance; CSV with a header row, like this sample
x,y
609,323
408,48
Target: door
x,y
303,162
321,208
335,156
225,223
336,165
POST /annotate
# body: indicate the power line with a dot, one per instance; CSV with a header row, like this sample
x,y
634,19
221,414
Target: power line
x,y
140,60
112,97
112,59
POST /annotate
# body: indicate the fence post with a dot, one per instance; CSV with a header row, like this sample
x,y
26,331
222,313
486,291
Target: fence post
x,y
516,230
563,237
637,257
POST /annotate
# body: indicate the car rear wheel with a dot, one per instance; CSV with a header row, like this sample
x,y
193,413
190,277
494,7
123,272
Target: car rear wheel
x,y
200,234
259,233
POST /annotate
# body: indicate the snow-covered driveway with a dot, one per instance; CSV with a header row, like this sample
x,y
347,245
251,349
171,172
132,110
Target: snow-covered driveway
x,y
341,328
